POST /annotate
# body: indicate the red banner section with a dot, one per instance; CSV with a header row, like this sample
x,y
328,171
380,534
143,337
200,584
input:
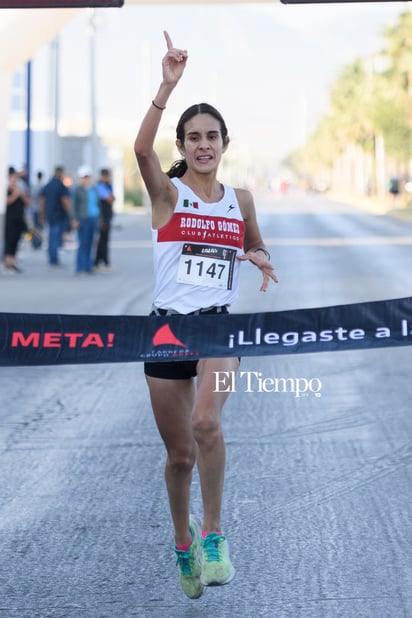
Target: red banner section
x,y
42,339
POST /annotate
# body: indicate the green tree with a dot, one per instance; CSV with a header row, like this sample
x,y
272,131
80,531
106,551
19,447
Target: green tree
x,y
352,100
370,97
395,95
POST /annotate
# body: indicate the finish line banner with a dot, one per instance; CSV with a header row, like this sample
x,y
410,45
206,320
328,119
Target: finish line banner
x,y
28,339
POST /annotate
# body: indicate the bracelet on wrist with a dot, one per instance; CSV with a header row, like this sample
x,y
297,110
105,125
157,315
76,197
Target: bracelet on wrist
x,y
265,251
158,106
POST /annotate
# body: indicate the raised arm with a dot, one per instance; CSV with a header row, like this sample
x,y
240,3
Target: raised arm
x,y
156,181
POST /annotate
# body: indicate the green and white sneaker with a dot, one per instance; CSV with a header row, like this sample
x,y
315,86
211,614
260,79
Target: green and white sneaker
x,y
188,563
217,568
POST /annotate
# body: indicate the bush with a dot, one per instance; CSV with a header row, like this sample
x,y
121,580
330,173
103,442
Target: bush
x,y
133,197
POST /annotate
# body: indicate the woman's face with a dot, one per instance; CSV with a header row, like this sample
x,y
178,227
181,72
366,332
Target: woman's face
x,y
203,145
13,181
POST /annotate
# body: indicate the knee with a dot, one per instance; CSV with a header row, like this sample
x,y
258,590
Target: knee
x,y
206,431
181,461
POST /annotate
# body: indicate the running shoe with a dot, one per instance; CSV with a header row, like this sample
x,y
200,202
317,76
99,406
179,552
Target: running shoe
x,y
217,568
188,563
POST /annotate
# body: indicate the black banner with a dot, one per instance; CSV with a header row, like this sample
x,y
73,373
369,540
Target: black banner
x,y
43,339
57,4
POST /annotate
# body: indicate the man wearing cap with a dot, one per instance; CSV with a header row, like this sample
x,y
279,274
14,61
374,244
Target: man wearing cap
x,y
85,215
54,209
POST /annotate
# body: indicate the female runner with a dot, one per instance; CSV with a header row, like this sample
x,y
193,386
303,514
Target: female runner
x,y
195,217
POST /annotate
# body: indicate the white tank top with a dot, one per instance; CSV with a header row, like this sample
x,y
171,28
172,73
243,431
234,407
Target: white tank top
x,y
194,254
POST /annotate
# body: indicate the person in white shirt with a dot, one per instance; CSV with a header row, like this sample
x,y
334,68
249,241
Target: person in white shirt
x,y
195,219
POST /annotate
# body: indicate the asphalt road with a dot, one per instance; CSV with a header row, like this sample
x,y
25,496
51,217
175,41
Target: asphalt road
x,y
317,504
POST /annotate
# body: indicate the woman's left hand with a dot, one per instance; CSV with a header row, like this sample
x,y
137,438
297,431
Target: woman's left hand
x,y
259,259
174,62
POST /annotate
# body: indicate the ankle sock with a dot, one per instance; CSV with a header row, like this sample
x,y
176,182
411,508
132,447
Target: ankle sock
x,y
184,547
206,532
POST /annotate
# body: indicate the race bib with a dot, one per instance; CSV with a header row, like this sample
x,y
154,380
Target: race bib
x,y
207,266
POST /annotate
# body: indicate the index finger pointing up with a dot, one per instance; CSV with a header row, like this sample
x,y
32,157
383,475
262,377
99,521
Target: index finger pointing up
x,y
168,40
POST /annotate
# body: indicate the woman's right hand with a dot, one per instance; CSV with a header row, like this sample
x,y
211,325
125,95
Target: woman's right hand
x,y
174,62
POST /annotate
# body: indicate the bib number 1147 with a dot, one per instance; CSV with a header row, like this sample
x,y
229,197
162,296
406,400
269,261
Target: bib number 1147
x,y
207,266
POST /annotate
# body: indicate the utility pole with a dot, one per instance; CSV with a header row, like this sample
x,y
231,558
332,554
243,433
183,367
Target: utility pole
x,y
55,103
93,113
28,120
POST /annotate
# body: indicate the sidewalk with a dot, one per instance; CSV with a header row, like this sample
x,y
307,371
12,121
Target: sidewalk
x,y
373,205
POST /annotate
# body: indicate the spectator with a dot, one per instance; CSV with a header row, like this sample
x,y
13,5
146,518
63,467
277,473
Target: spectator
x,y
394,188
85,217
24,180
15,221
54,209
35,199
106,198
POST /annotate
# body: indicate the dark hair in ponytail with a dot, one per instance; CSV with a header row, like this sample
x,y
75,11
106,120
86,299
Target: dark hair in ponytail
x,y
179,167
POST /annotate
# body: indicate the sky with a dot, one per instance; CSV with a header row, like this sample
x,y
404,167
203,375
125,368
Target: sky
x,y
267,67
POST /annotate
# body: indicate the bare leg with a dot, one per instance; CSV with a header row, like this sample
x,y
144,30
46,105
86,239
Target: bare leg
x,y
211,457
172,402
9,260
